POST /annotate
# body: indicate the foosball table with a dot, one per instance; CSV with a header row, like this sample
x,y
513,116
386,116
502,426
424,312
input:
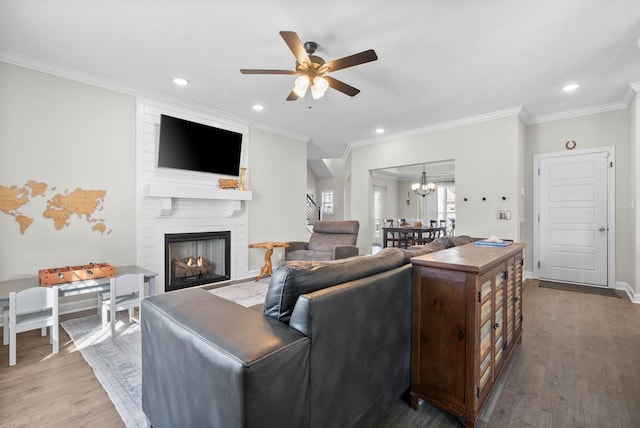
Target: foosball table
x,y
67,274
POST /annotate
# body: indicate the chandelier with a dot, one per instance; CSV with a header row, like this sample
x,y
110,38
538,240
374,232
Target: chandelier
x,y
423,188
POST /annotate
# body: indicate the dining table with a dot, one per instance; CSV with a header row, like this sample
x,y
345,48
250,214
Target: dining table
x,y
412,235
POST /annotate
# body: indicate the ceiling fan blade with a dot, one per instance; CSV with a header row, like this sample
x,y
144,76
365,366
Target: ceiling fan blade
x,y
292,96
295,44
342,87
349,61
252,71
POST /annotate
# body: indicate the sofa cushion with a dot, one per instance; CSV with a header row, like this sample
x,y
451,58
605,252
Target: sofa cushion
x,y
295,278
328,234
454,241
419,250
304,255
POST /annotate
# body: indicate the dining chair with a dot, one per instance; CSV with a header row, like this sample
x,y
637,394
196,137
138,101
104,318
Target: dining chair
x,y
31,309
443,227
392,237
405,238
126,292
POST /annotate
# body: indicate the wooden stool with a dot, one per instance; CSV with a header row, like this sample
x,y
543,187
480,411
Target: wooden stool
x,y
267,269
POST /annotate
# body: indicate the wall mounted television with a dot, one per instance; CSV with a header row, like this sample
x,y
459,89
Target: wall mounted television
x,y
193,146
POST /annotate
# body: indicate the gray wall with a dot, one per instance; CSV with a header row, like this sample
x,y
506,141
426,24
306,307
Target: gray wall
x,y
68,135
495,158
592,131
277,211
487,163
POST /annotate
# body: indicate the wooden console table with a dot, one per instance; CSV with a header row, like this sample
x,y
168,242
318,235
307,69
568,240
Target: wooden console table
x,y
75,287
466,322
267,269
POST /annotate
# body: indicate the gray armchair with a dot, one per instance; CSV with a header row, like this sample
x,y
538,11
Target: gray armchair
x,y
330,240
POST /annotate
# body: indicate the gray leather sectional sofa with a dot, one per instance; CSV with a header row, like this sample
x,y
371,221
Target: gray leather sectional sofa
x,y
332,348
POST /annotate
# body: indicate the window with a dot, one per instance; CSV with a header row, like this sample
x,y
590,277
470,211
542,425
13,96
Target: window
x,y
379,195
447,202
441,205
327,202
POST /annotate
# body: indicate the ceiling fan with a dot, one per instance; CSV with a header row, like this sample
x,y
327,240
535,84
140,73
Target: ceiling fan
x,y
312,71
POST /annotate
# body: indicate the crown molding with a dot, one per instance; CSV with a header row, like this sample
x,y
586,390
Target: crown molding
x,y
520,112
579,112
516,111
67,73
262,127
77,76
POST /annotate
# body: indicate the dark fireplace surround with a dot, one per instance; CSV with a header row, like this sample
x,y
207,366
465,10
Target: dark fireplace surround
x,y
193,259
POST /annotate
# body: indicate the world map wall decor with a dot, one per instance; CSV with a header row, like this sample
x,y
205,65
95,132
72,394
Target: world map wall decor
x,y
61,207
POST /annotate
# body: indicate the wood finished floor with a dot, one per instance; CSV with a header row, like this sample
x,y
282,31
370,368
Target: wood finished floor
x,y
578,366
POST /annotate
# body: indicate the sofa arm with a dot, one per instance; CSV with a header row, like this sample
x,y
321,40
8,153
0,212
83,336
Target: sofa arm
x,y
207,361
344,251
296,246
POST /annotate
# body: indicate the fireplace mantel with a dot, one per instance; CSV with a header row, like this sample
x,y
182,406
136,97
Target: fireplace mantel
x,y
166,192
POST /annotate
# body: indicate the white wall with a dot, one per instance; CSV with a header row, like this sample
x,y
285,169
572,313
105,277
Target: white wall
x,y
276,178
486,156
592,131
68,135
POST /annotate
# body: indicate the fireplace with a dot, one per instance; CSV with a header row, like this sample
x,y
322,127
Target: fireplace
x,y
196,258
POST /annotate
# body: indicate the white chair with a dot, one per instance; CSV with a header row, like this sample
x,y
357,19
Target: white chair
x,y
127,291
31,309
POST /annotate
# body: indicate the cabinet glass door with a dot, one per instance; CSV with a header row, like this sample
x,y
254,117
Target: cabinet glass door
x,y
498,324
509,321
518,294
485,297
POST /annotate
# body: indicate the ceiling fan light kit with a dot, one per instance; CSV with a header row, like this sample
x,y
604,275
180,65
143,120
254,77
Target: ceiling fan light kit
x,y
313,71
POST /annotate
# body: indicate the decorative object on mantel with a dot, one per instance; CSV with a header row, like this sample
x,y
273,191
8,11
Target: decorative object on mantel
x,y
243,178
228,183
75,273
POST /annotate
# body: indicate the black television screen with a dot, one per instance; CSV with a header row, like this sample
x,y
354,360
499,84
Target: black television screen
x,y
196,147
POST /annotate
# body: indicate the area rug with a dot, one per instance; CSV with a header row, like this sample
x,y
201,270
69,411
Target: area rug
x,y
115,362
118,368
250,293
578,288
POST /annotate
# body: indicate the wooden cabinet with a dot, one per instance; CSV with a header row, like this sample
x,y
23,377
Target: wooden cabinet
x,y
466,321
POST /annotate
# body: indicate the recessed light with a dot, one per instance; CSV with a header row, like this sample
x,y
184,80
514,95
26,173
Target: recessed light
x,y
180,82
379,131
571,87
258,107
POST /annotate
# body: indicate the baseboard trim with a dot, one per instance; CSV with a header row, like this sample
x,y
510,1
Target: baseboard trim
x,y
619,285
633,296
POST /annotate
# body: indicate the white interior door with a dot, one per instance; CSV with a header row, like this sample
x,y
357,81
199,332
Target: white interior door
x,y
573,218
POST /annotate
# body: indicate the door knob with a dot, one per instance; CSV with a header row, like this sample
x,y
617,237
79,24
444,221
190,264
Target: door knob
x,y
602,229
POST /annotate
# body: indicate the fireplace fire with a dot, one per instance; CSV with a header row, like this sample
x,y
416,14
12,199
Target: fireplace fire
x,y
196,258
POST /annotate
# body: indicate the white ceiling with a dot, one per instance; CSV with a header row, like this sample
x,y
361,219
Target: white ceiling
x,y
439,61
